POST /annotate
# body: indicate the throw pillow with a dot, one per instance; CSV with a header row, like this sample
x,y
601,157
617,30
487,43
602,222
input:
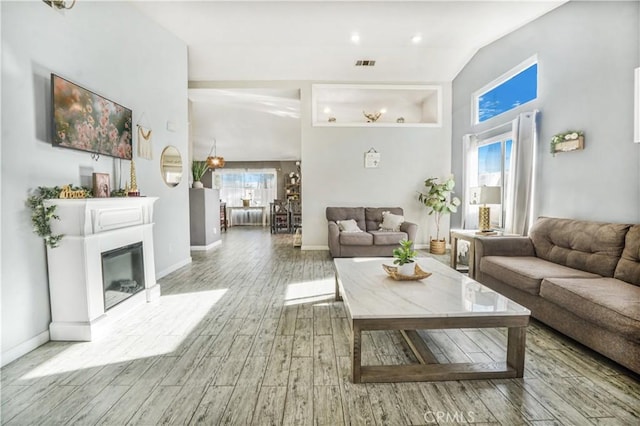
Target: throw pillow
x,y
391,222
349,225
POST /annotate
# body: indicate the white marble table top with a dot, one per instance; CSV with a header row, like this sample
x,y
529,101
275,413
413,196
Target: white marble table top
x,y
369,292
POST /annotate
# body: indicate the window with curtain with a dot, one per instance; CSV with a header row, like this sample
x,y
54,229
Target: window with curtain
x,y
256,185
490,165
505,157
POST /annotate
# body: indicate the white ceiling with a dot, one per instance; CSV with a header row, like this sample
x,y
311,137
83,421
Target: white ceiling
x,y
309,40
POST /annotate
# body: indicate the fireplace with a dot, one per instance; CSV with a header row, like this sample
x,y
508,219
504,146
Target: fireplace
x,y
104,266
122,274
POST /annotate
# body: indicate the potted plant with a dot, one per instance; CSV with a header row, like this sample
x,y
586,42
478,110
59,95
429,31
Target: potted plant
x,y
404,257
439,201
198,169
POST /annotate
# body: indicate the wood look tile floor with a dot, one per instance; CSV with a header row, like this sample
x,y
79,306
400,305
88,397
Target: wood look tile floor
x,y
249,333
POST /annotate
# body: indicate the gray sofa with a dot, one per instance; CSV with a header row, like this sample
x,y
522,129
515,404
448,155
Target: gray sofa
x,y
372,242
581,278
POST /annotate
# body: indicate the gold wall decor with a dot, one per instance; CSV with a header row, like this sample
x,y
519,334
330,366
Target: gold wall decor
x,y
67,193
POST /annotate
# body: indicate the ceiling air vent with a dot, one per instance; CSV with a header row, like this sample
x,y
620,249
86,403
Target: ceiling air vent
x,y
365,63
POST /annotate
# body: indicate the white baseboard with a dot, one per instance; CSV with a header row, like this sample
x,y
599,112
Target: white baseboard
x,y
208,247
314,248
24,348
172,268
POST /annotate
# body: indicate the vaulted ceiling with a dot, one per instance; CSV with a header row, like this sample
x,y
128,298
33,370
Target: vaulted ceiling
x,y
310,40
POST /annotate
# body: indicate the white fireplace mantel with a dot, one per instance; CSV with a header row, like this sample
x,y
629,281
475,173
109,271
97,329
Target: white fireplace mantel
x,y
91,227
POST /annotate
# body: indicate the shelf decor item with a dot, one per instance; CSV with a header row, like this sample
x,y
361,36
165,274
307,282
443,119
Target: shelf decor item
x,y
101,185
133,189
571,140
372,117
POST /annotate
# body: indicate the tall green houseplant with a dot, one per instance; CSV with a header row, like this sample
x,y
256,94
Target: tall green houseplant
x,y
439,200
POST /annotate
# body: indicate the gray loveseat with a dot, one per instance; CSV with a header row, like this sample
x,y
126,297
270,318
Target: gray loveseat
x,y
372,242
581,278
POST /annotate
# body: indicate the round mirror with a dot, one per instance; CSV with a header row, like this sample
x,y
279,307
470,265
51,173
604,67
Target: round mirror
x,y
171,166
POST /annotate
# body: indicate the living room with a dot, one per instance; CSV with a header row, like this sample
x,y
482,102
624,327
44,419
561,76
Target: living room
x,y
586,51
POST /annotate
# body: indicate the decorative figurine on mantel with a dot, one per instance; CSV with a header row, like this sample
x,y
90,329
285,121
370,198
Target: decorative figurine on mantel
x,y
133,190
372,117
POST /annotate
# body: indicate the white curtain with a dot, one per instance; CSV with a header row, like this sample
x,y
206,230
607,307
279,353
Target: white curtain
x,y
525,141
256,185
470,180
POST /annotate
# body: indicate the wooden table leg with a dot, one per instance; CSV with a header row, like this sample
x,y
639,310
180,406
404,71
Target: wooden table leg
x,y
454,252
516,341
338,297
356,352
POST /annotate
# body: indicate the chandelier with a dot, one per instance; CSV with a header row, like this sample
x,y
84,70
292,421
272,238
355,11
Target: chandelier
x,y
214,162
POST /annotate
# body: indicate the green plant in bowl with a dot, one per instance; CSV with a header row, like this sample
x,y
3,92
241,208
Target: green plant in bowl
x,y
404,257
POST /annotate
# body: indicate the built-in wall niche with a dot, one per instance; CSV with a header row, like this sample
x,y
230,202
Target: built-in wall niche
x,y
367,105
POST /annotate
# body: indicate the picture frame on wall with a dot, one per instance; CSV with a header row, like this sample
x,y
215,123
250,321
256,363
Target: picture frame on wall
x,y
101,185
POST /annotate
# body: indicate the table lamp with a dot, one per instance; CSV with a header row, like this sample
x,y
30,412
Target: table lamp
x,y
485,195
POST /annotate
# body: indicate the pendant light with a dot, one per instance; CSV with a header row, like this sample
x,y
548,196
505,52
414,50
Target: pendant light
x,y
214,162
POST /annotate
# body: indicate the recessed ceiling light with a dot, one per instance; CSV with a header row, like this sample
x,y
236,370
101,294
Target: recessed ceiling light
x,y
416,39
326,110
383,110
355,38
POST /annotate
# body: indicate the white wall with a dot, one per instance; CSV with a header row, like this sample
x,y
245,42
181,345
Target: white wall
x,y
587,52
333,172
114,50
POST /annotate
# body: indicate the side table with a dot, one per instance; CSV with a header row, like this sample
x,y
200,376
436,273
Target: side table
x,y
466,235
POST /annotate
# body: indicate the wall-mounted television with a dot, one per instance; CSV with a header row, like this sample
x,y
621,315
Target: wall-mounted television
x,y
86,121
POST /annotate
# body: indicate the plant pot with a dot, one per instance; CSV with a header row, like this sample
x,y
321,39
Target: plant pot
x,y
197,184
407,269
438,246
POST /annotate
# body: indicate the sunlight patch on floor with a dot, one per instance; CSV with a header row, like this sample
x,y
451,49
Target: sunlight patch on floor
x,y
152,329
310,291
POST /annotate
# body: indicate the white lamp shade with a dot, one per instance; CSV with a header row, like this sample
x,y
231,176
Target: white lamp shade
x,y
485,195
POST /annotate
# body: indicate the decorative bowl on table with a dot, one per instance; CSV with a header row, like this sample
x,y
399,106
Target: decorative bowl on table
x,y
418,274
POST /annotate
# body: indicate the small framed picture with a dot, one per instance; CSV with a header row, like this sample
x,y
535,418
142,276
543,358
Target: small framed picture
x,y
101,185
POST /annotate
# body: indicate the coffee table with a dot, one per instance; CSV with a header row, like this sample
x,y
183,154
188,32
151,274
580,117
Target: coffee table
x,y
446,299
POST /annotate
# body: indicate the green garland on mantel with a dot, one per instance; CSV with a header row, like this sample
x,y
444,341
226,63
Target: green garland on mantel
x,y
41,216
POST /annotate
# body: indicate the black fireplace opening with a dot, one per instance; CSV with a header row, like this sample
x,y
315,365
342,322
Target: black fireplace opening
x,y
122,274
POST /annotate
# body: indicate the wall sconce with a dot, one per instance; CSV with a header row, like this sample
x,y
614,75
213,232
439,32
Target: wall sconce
x,y
485,195
60,4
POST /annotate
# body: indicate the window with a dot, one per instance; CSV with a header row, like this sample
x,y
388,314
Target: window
x,y
258,186
490,164
515,88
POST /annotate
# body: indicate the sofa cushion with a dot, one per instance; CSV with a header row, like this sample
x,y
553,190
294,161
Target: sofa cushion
x,y
391,222
345,213
373,216
607,302
628,268
356,239
526,273
385,238
348,225
589,246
